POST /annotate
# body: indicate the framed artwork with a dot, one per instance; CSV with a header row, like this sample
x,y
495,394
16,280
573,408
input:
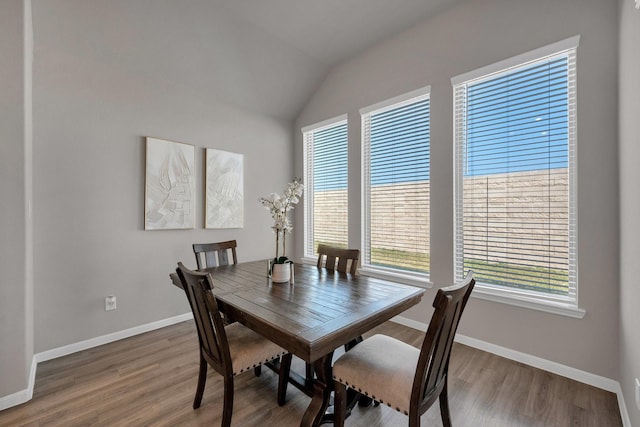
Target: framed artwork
x,y
170,187
224,189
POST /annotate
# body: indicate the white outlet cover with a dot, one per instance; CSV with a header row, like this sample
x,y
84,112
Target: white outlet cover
x,y
110,303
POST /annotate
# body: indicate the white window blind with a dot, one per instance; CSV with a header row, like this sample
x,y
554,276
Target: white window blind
x,y
515,159
396,189
326,201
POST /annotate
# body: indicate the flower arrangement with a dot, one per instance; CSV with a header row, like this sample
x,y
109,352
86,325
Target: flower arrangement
x,y
279,205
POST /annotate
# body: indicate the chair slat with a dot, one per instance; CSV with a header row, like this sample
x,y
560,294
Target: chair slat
x,y
215,254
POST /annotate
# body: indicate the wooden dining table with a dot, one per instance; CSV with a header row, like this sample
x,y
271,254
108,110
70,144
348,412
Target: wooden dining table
x,y
318,312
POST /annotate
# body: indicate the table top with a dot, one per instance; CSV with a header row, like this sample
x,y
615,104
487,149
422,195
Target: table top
x,y
321,311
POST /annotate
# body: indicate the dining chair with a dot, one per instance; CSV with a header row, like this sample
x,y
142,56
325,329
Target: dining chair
x,y
215,254
403,377
339,259
229,349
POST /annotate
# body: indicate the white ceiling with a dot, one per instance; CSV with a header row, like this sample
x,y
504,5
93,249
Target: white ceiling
x,y
330,31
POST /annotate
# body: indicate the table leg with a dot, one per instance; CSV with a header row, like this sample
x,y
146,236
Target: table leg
x,y
322,388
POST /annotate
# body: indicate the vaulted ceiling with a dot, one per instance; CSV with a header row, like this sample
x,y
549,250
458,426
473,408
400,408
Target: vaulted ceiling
x,y
268,56
332,30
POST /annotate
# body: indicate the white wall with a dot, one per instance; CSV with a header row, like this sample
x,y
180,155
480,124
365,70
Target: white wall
x,y
16,334
629,204
468,36
106,74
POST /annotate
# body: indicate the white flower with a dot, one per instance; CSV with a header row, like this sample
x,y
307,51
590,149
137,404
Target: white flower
x,y
279,206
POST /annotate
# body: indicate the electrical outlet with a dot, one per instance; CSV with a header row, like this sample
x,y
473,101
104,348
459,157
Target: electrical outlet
x,y
638,393
110,303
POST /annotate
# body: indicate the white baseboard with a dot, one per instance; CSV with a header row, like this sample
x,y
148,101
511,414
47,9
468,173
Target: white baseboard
x,y
23,396
536,362
15,399
105,339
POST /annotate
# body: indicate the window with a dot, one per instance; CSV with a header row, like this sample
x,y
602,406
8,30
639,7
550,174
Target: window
x,y
515,169
325,180
396,173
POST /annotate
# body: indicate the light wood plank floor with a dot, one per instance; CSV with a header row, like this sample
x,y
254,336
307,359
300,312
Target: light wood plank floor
x,y
150,380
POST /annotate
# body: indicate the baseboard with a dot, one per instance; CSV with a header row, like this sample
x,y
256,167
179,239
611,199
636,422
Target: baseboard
x,y
536,362
105,339
626,421
23,396
15,399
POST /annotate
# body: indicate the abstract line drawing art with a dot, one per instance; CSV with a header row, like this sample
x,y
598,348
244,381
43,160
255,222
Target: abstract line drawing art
x,y
224,189
170,188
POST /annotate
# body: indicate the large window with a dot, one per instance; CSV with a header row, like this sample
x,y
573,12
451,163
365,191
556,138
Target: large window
x,y
515,162
396,175
325,180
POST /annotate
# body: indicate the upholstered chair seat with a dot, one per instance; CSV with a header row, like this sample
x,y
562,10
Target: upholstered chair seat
x,y
248,349
380,363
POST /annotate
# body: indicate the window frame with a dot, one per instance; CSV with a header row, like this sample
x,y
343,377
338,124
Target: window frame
x,y
563,305
413,278
308,173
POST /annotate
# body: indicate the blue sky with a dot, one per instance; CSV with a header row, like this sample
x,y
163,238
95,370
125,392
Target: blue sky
x,y
516,122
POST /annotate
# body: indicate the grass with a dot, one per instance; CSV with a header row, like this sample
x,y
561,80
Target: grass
x,y
541,279
410,261
548,280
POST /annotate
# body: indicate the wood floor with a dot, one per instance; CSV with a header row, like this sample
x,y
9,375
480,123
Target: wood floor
x,y
150,380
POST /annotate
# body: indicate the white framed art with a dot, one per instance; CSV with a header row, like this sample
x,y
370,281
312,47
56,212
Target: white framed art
x,y
224,188
170,186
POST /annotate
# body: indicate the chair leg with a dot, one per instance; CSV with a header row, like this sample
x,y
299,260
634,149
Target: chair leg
x,y
444,406
308,374
257,370
202,379
283,377
339,404
227,409
348,346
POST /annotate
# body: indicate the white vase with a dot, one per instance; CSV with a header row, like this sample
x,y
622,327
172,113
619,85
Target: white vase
x,y
280,273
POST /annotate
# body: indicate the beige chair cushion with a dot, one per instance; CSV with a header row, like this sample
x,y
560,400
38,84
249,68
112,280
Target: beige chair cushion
x,y
249,349
382,368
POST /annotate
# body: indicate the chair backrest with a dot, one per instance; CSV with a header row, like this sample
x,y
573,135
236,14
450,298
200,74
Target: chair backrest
x,y
214,346
433,363
215,254
338,259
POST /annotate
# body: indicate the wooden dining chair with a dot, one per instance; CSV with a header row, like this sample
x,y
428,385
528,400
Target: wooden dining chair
x,y
229,349
395,373
215,254
339,259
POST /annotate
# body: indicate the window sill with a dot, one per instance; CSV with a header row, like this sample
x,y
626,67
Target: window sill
x,y
561,308
419,280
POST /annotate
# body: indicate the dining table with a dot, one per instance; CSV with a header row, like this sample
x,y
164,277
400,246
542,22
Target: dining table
x,y
312,315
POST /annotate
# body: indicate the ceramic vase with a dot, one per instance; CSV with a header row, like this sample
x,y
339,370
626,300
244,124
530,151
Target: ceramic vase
x,y
280,273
